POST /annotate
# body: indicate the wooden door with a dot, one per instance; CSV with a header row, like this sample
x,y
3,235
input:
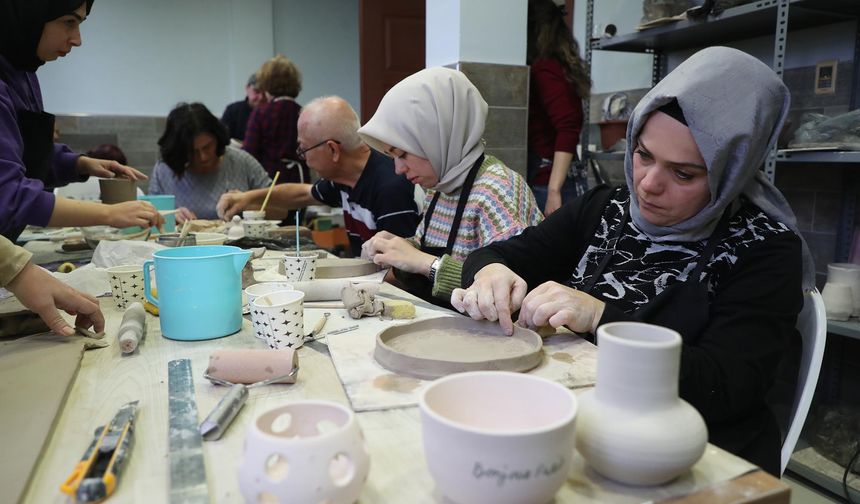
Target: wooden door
x,y
391,38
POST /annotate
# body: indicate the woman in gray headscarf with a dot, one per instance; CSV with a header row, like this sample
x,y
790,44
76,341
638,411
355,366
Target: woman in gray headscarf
x,y
698,241
432,124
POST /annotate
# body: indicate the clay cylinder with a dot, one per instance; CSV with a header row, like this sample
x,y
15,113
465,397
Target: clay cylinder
x,y
132,328
252,366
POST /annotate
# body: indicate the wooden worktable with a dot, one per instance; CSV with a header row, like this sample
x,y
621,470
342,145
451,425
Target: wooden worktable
x,y
398,471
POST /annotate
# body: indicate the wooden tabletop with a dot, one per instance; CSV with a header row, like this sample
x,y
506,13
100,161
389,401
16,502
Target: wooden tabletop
x,y
398,474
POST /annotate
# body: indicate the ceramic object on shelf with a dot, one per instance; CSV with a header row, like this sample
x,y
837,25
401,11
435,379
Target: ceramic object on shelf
x,y
497,437
846,274
304,452
838,301
633,428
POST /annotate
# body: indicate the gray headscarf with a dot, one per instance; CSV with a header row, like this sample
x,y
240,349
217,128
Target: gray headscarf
x,y
735,107
436,114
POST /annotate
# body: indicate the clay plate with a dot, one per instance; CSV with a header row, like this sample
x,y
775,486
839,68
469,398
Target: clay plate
x,y
344,268
428,349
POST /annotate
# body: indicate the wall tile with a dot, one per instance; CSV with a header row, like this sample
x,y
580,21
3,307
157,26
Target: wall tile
x,y
515,159
500,85
506,128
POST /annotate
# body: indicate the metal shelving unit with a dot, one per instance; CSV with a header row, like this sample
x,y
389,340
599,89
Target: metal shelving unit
x,y
848,328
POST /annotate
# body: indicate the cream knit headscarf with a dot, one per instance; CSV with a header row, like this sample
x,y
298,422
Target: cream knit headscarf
x,y
436,114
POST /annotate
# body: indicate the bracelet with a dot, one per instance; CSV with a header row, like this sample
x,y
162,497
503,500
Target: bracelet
x,y
434,269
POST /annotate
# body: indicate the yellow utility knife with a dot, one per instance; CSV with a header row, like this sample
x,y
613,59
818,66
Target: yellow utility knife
x,y
95,477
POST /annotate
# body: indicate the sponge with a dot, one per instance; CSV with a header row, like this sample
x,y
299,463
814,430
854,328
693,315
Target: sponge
x,y
398,309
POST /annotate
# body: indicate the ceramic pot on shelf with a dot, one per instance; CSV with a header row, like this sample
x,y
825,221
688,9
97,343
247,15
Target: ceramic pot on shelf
x,y
633,428
846,274
838,301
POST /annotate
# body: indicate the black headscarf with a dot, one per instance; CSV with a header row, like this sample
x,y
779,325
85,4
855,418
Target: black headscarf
x,y
21,25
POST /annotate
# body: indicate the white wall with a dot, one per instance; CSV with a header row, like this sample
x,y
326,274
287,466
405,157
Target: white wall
x,y
143,57
476,30
321,37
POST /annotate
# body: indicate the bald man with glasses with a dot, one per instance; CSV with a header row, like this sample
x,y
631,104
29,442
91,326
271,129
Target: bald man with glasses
x,y
352,176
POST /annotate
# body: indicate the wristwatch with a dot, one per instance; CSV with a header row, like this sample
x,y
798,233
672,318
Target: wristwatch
x,y
434,269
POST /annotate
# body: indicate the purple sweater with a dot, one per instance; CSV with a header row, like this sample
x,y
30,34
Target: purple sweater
x,y
24,200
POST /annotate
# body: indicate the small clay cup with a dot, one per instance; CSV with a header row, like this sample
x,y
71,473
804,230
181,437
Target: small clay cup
x,y
117,190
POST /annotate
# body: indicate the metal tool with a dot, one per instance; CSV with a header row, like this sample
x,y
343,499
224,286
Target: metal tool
x,y
96,476
187,470
228,407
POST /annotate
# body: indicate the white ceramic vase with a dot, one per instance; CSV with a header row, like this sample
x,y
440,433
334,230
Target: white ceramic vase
x,y
846,274
838,301
633,428
306,452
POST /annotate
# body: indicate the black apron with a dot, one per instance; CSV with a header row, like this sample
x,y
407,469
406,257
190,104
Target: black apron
x,y
689,297
755,438
419,285
37,131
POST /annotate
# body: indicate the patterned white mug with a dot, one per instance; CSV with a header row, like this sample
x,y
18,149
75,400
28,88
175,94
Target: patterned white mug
x,y
279,318
126,284
300,267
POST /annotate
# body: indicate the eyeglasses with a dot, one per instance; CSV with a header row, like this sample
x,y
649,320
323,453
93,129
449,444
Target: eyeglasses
x,y
301,152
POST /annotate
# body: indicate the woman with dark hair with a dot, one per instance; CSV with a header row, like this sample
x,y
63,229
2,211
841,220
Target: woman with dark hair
x,y
559,83
198,165
271,135
33,32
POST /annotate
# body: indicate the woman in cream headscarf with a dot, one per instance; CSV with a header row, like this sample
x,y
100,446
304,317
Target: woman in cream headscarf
x,y
431,123
698,241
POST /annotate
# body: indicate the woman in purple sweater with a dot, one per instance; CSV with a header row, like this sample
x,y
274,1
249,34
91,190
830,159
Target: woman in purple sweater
x,y
33,32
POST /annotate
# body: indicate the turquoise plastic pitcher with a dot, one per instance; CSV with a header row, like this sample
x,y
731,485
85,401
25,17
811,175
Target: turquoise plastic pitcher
x,y
199,290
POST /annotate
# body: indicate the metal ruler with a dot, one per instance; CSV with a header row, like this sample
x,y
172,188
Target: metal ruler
x,y
187,470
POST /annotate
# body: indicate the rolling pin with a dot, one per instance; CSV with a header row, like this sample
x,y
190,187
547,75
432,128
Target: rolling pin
x,y
133,328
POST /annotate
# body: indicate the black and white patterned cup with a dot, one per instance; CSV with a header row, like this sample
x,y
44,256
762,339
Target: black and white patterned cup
x,y
126,284
300,267
256,228
279,318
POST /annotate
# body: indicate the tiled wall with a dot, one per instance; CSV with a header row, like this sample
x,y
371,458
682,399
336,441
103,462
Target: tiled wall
x,y
506,90
137,136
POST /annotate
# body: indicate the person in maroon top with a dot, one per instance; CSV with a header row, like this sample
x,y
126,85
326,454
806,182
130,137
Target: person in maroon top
x,y
271,132
559,83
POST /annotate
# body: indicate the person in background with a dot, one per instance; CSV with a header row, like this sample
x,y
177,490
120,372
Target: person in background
x,y
271,133
33,32
353,177
236,114
432,124
108,151
698,241
39,291
559,82
197,164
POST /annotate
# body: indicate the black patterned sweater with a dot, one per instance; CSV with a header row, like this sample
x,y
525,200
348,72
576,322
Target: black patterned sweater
x,y
754,285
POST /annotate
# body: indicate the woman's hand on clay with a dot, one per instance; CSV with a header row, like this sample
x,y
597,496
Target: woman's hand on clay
x,y
183,214
104,168
553,304
134,213
496,293
39,291
386,249
231,203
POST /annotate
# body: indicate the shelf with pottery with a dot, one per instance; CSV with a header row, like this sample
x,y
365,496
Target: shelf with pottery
x,y
822,471
742,22
393,436
848,328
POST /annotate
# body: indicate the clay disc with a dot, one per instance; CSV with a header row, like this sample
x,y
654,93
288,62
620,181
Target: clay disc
x,y
428,349
344,268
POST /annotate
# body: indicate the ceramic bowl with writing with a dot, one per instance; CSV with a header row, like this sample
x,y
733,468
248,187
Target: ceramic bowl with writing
x,y
498,437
